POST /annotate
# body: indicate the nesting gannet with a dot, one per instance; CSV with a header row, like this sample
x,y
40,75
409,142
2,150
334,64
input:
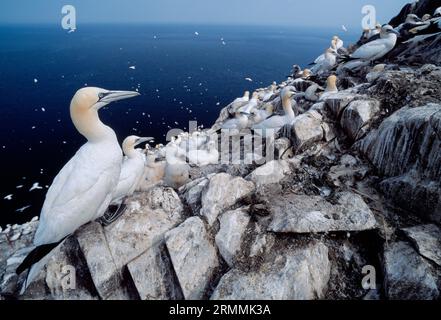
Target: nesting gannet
x,y
277,121
252,104
259,115
331,87
412,20
83,189
132,168
269,93
203,158
338,43
325,65
376,49
239,102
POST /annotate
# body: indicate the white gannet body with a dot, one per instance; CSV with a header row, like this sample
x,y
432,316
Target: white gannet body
x,y
412,20
325,65
203,158
276,122
251,105
377,49
269,93
337,43
239,102
331,87
132,169
83,189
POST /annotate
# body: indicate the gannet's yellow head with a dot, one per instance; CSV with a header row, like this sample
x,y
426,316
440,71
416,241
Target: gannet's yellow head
x,y
335,38
306,73
131,142
426,17
331,83
86,103
255,95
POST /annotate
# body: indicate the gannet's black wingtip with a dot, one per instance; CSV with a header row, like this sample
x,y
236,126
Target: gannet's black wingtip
x,y
34,256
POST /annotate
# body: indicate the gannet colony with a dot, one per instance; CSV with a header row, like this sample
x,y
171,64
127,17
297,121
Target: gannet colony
x,y
324,186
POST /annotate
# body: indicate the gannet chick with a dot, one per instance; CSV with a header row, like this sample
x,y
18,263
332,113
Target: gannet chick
x,y
83,189
132,169
153,172
176,169
276,122
376,49
326,64
203,158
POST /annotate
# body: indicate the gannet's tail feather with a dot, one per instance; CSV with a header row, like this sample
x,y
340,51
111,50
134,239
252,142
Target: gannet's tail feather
x,y
34,256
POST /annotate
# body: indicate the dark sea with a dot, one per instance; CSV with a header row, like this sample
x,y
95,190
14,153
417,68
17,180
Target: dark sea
x,y
183,73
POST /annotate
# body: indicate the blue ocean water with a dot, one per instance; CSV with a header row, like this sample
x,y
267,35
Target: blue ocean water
x,y
181,76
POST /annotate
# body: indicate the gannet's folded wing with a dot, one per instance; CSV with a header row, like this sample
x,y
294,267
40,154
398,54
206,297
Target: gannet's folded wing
x,y
369,50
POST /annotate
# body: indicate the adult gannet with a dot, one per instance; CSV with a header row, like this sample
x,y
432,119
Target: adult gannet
x,y
132,168
239,102
268,94
252,104
331,87
259,115
376,49
83,189
203,158
326,64
277,121
412,20
338,43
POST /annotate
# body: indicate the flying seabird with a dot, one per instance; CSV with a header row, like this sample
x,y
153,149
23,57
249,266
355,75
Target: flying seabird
x,y
83,189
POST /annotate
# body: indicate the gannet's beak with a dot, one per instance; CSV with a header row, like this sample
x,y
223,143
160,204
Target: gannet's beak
x,y
141,140
111,96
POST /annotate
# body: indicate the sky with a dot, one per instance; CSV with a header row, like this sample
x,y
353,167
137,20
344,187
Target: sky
x,y
320,13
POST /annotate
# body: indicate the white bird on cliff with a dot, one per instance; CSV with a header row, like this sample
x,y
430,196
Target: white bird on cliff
x,y
326,64
83,189
203,158
176,168
132,168
376,49
277,121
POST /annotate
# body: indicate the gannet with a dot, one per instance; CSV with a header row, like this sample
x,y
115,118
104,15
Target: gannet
x,y
132,168
338,43
326,64
269,93
331,87
252,104
276,122
176,169
412,20
154,172
375,73
239,102
376,49
259,115
203,158
83,189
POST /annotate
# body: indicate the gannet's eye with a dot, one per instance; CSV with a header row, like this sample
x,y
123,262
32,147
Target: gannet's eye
x,y
101,95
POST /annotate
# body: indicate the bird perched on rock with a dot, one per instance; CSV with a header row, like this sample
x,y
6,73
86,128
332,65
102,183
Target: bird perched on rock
x,y
83,189
176,168
277,121
239,102
376,49
326,64
154,172
203,158
132,171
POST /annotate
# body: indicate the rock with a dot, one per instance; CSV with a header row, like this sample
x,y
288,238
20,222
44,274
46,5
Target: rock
x,y
153,275
306,130
223,191
9,279
338,102
271,172
233,225
414,193
141,227
193,256
192,192
427,240
409,141
357,116
310,214
301,274
407,275
105,274
61,275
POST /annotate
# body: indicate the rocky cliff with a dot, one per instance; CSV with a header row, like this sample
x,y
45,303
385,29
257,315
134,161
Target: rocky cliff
x,y
351,209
